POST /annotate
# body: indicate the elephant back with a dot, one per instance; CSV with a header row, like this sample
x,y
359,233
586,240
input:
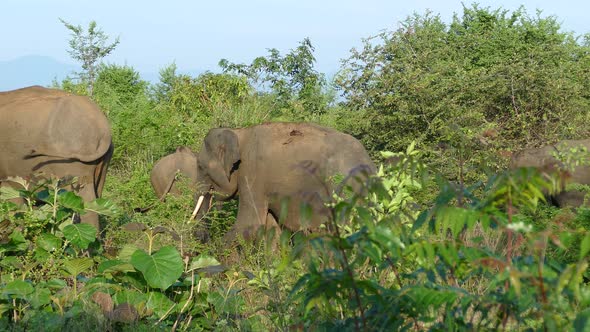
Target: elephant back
x,y
54,123
326,151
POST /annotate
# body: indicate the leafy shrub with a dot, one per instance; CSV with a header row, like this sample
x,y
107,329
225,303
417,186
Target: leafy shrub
x,y
491,81
402,267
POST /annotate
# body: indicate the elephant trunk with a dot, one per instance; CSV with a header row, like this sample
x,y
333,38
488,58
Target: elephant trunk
x,y
225,187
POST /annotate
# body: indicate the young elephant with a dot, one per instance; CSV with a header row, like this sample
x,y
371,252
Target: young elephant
x,y
165,171
55,133
273,163
543,158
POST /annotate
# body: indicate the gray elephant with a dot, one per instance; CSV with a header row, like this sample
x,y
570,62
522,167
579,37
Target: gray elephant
x,y
52,132
165,171
544,159
271,164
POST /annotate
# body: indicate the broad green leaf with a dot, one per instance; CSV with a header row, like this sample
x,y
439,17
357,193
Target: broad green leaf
x,y
17,242
128,296
40,297
160,304
233,302
115,265
102,206
78,265
70,200
80,235
160,269
17,289
126,252
7,193
11,261
4,307
203,261
41,255
49,242
56,284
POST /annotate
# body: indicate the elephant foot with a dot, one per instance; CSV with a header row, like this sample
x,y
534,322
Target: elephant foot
x,y
255,234
202,235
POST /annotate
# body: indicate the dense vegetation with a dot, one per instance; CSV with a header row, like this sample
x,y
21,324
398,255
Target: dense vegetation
x,y
447,239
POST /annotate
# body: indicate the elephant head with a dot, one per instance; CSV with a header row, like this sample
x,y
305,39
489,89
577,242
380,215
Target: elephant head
x,y
166,170
218,162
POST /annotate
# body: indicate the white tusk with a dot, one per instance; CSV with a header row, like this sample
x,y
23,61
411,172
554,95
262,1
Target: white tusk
x,y
197,207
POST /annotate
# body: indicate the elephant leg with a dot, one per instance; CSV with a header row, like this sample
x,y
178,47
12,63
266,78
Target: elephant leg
x,y
252,215
305,213
88,193
272,231
570,198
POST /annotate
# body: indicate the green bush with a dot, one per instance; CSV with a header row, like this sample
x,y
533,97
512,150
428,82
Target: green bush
x,y
491,80
392,266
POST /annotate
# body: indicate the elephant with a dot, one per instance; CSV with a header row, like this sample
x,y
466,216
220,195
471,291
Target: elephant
x,y
48,132
268,165
544,159
163,177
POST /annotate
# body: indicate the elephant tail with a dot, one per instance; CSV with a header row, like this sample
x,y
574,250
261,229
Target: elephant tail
x,y
100,171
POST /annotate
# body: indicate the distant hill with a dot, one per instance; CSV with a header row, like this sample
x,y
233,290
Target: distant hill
x,y
32,70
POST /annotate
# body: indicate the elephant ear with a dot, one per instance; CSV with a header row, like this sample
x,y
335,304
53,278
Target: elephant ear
x,y
224,145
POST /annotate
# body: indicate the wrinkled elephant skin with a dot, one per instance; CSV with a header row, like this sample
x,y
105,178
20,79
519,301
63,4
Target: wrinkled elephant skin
x,y
55,133
543,158
266,165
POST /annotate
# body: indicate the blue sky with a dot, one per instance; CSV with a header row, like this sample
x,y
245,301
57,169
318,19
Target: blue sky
x,y
197,34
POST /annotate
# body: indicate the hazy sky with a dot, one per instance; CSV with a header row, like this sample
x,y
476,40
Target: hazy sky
x,y
197,34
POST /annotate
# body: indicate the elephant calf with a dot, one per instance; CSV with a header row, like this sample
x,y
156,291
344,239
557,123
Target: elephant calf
x,y
268,165
164,174
543,158
56,133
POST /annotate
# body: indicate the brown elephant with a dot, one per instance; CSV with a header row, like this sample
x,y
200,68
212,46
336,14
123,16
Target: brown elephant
x,y
271,164
543,158
55,133
165,171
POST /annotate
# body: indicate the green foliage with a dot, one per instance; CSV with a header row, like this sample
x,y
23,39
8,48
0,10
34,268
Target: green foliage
x,y
490,80
118,85
406,267
160,269
80,235
161,91
298,89
471,248
89,47
44,269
